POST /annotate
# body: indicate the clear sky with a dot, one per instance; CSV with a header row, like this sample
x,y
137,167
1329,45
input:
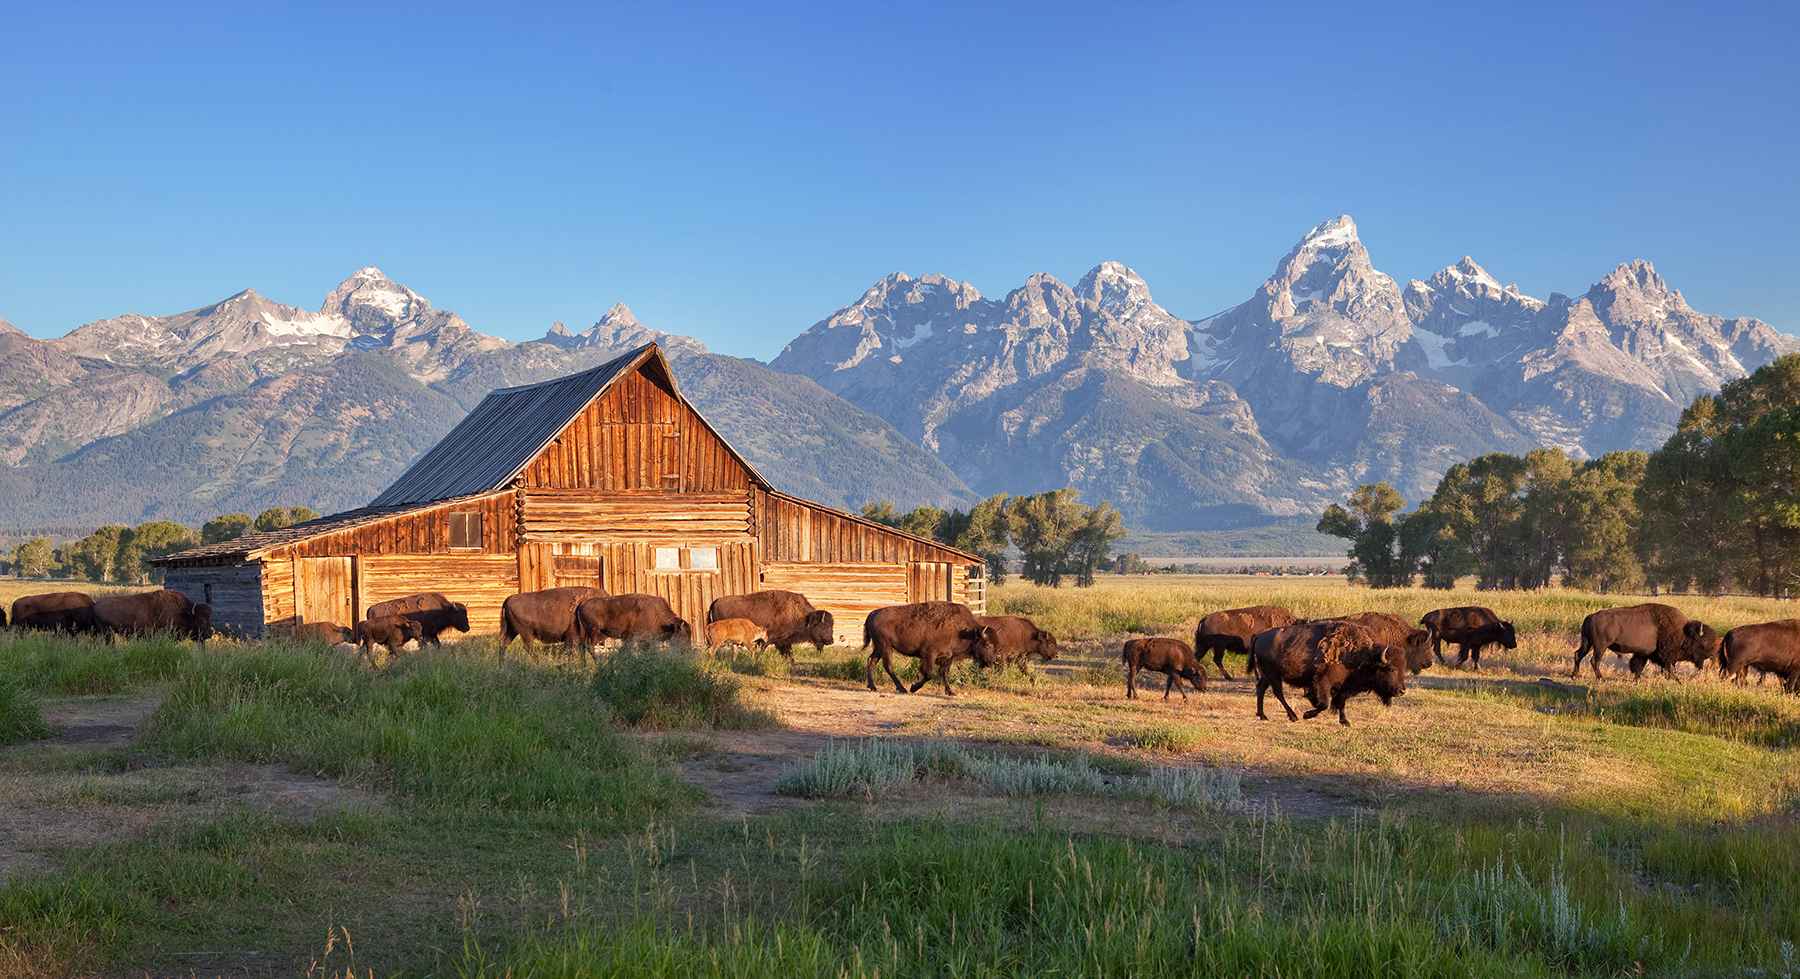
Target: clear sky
x,y
737,172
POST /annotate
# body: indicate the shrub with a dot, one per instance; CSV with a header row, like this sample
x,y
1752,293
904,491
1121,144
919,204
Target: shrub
x,y
647,687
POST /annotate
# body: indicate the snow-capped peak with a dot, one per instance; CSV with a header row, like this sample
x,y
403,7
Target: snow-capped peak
x,y
618,317
1116,288
374,303
1337,232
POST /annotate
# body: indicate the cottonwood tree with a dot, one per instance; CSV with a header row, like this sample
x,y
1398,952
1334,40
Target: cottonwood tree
x,y
1366,519
986,530
96,556
275,518
34,558
226,526
1602,524
146,542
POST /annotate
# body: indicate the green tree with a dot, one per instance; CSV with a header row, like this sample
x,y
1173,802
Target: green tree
x,y
96,556
34,558
1429,543
1603,521
275,518
1043,526
882,512
228,526
1091,547
1367,521
1543,520
1130,562
147,542
987,531
923,521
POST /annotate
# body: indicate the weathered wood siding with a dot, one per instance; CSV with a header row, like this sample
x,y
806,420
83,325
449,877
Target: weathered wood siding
x,y
848,591
595,515
324,590
422,532
481,581
793,530
278,592
638,436
233,590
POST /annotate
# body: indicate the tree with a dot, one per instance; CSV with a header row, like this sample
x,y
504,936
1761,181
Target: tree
x,y
147,542
1367,521
987,530
228,526
922,521
1130,562
1428,542
1044,527
1092,544
95,556
1603,520
34,558
882,512
275,518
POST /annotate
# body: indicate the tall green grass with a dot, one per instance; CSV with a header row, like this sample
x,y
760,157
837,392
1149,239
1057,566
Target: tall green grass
x,y
675,688
443,729
20,718
55,664
1764,717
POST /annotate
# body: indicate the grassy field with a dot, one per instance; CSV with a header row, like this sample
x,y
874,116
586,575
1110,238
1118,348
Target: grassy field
x,y
278,810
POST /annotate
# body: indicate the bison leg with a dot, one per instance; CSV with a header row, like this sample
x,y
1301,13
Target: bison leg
x,y
943,670
924,674
1282,699
1637,666
1218,651
1476,653
1580,651
1462,655
1437,648
1130,681
1169,684
887,663
1262,686
1345,721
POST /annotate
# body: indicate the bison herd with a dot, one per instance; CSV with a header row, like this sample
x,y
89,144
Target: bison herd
x,y
1328,660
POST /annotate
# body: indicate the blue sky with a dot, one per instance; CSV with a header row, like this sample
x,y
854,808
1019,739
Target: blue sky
x,y
737,172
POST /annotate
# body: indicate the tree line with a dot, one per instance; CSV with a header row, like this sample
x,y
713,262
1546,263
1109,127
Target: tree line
x,y
120,554
1055,535
1716,509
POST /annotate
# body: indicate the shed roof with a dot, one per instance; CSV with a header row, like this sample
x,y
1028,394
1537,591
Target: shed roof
x,y
253,544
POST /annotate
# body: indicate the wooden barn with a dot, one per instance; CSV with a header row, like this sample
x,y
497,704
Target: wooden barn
x,y
608,477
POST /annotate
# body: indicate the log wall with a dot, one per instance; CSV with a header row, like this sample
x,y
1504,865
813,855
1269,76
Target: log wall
x,y
481,581
234,591
421,532
848,591
638,436
278,592
793,530
596,515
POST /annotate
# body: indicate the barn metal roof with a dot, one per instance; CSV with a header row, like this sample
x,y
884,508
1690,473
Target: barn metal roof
x,y
253,544
504,433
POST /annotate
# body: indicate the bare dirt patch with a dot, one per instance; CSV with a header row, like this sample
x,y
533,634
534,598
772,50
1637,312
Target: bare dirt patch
x,y
83,786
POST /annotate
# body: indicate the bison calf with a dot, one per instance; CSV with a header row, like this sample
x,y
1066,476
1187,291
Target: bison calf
x,y
391,631
1160,654
1472,628
739,632
937,634
1230,631
1331,660
329,633
1017,639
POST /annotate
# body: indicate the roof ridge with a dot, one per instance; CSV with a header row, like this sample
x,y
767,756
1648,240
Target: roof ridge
x,y
608,365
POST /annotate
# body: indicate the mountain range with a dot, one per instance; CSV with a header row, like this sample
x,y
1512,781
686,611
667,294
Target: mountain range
x,y
922,390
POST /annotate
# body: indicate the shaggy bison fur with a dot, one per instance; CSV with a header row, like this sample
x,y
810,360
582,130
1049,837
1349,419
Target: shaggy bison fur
x,y
1160,654
1018,639
1472,628
937,634
1392,630
628,618
542,616
1769,647
1230,631
786,616
1650,633
144,613
1332,661
59,611
434,613
391,631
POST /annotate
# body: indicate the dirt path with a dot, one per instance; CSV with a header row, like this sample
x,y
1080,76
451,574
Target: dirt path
x,y
83,786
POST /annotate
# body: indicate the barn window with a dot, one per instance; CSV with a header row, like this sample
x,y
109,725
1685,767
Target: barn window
x,y
703,559
668,559
465,529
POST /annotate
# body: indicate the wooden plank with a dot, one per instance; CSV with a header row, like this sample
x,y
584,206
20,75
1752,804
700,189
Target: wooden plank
x,y
481,581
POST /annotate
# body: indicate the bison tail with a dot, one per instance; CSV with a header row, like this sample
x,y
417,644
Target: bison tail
x,y
507,632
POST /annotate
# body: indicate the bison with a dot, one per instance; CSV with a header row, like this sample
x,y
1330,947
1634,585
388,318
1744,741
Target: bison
x,y
1230,631
1392,630
1018,639
741,632
1159,654
542,616
787,617
1651,633
1472,628
628,618
1331,660
937,634
1768,647
392,631
144,613
434,613
60,611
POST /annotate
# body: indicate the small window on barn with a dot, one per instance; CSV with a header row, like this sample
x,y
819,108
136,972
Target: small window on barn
x,y
668,559
703,559
465,529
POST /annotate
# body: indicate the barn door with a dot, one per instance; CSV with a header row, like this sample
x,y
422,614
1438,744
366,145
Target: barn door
x,y
929,581
324,590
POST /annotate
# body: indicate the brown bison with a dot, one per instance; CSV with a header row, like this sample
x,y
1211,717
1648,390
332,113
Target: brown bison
x,y
1018,639
542,616
1330,660
434,613
1392,630
1769,647
1472,628
1159,654
628,618
329,633
145,613
735,632
391,631
1651,633
1230,631
60,611
786,616
937,634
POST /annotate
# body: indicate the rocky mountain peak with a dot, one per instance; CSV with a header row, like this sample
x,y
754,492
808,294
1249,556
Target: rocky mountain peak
x,y
7,329
1338,232
374,303
1115,288
557,329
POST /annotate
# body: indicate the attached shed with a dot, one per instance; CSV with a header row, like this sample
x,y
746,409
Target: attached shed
x,y
608,478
